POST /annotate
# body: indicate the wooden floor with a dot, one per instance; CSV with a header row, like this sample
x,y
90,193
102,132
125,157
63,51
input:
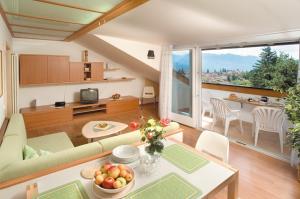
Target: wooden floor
x,y
261,177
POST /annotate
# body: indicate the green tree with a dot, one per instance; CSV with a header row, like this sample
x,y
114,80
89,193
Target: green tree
x,y
285,73
263,69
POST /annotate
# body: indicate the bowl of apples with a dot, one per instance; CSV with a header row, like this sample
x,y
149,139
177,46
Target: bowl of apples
x,y
113,178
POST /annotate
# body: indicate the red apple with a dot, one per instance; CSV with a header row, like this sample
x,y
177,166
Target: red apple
x,y
123,173
108,183
113,172
98,173
105,167
133,125
117,184
128,177
121,167
99,179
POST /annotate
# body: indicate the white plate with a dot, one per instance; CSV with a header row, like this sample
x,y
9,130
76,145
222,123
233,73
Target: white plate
x,y
133,164
126,153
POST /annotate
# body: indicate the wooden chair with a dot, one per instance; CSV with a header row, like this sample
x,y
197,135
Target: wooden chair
x,y
214,144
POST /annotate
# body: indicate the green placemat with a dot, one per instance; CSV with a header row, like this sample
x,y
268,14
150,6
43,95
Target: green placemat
x,y
72,190
171,186
184,158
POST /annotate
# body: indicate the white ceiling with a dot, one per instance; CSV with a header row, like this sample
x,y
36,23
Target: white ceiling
x,y
208,22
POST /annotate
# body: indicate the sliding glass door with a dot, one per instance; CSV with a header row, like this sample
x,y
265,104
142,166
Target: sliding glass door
x,y
183,108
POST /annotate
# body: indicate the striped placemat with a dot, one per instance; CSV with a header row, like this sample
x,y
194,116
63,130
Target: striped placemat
x,y
72,190
184,158
171,186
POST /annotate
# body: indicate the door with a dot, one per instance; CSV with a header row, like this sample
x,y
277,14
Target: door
x,y
183,90
58,69
97,71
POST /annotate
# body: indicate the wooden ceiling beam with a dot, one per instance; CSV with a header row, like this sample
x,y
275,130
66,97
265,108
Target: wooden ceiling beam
x,y
68,6
40,28
118,10
2,12
39,34
42,18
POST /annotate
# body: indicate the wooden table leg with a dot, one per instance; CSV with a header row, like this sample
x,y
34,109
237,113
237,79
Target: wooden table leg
x,y
233,187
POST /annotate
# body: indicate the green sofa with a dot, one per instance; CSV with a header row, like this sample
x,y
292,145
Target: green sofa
x,y
63,151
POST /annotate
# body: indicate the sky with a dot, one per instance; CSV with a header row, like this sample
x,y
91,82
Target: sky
x,y
292,50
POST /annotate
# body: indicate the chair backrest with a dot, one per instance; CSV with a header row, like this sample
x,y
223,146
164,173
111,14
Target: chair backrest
x,y
148,92
268,118
214,144
220,108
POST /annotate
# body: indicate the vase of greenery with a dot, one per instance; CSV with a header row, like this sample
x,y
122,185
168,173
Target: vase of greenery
x,y
152,134
292,109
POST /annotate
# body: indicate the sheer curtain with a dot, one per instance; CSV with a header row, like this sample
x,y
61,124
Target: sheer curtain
x,y
165,81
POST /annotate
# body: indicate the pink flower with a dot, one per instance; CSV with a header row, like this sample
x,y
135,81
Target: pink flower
x,y
164,122
134,125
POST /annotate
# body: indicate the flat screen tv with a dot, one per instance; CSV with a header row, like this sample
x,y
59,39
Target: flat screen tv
x,y
89,95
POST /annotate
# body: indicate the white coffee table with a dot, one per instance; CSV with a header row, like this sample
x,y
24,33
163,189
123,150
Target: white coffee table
x,y
89,131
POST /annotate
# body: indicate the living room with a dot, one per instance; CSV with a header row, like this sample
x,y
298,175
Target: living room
x,y
105,99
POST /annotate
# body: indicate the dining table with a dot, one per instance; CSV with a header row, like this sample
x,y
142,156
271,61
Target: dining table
x,y
181,172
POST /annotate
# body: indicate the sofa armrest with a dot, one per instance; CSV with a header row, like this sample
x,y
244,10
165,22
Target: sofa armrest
x,y
27,167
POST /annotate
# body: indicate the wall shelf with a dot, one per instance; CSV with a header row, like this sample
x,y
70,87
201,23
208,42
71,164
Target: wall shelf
x,y
82,82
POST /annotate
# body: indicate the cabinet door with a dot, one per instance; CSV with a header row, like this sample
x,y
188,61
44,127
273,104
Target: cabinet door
x,y
58,69
97,71
76,71
33,69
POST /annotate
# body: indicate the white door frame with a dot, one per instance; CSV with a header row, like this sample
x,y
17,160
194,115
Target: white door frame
x,y
194,120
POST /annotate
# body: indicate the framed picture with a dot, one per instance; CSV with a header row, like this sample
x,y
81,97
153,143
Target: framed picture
x,y
1,76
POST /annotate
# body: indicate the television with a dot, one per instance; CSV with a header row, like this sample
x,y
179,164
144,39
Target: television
x,y
89,96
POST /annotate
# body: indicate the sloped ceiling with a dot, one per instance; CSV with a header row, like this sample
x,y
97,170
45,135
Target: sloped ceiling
x,y
115,54
208,22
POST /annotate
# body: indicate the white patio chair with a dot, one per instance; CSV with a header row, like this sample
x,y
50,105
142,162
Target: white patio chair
x,y
222,111
269,119
214,144
206,107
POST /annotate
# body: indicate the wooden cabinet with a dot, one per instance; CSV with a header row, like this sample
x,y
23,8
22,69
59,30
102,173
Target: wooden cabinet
x,y
97,71
58,69
33,69
76,72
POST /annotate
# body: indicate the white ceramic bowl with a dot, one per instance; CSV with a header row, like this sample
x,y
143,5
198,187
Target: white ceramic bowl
x,y
125,154
114,191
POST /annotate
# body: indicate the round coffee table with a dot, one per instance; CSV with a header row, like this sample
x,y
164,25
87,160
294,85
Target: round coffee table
x,y
90,132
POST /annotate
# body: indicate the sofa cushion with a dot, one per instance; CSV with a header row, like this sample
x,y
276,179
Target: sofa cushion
x,y
16,126
53,142
11,150
26,167
127,138
29,153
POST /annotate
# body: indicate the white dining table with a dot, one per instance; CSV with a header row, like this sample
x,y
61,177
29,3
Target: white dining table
x,y
210,178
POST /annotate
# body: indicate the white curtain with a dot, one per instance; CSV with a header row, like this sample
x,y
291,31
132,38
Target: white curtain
x,y
165,81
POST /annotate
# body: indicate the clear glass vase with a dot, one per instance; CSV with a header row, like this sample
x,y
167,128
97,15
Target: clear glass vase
x,y
149,163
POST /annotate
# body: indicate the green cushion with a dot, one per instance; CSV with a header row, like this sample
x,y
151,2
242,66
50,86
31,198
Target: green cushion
x,y
53,142
172,126
127,138
29,153
43,152
16,126
26,167
109,144
11,150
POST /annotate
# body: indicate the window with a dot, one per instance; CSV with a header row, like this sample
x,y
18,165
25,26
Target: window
x,y
271,67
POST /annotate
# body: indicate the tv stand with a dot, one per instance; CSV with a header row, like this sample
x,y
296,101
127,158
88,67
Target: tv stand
x,y
42,116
